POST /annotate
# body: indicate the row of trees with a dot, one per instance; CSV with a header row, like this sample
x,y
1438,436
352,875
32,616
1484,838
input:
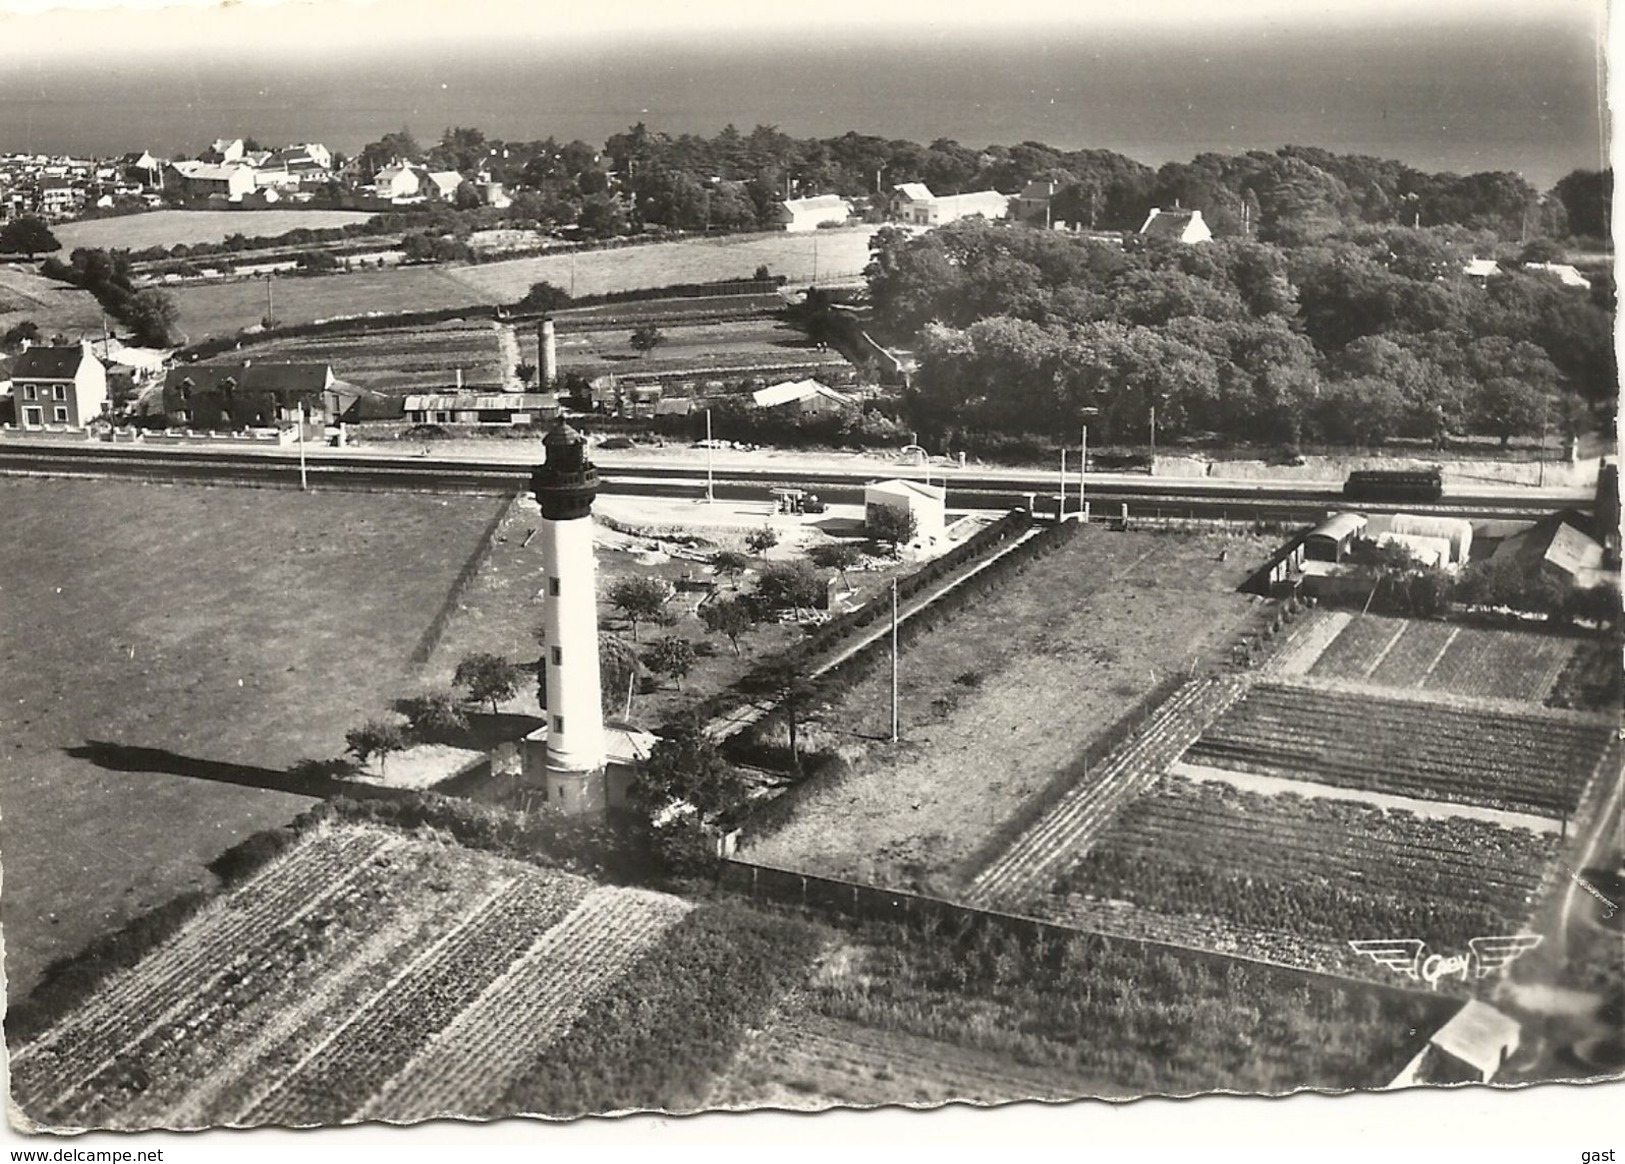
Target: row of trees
x,y
733,180
1361,335
150,313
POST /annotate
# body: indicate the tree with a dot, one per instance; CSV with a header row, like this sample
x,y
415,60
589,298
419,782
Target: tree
x,y
788,585
841,556
489,678
376,737
544,296
26,330
601,216
639,599
435,715
670,655
152,315
27,236
891,526
729,616
687,768
618,671
796,692
646,337
526,371
759,541
730,563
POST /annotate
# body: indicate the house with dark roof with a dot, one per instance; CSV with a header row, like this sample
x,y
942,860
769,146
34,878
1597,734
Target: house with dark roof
x,y
56,387
1563,547
249,394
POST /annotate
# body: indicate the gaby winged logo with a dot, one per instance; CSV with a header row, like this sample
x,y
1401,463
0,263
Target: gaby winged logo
x,y
1485,956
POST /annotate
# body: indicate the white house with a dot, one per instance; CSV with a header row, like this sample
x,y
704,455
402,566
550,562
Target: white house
x,y
796,214
197,180
398,183
928,504
913,203
1181,226
54,386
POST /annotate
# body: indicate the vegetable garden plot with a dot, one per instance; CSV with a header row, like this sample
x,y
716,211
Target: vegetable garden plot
x,y
1353,653
420,359
1412,656
358,1057
1535,763
98,1050
485,1048
1502,664
1321,870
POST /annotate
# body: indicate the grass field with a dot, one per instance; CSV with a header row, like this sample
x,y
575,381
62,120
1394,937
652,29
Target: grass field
x,y
165,228
221,627
56,307
1003,698
422,359
704,346
227,308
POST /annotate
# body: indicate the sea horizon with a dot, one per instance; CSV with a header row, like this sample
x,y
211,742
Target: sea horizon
x,y
1518,95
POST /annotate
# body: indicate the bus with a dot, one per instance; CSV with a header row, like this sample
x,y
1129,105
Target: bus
x,y
1395,485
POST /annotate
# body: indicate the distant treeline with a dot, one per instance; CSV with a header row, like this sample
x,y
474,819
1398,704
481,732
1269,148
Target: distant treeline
x,y
1349,337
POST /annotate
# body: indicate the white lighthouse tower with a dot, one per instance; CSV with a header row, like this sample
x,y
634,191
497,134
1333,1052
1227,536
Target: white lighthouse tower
x,y
565,485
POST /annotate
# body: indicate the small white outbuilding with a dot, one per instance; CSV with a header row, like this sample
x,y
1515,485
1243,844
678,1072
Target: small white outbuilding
x,y
928,504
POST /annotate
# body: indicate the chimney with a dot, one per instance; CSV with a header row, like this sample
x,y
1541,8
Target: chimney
x,y
548,354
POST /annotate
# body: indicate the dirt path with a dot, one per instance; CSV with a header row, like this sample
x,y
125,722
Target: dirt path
x,y
1427,809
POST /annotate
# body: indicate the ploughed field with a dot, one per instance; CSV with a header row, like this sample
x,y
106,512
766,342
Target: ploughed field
x,y
1292,879
401,361
1460,752
1447,657
365,972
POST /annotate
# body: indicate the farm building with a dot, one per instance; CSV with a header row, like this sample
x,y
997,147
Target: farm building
x,y
499,408
1431,552
200,180
1564,273
1481,268
1456,531
1472,1047
1330,540
805,396
928,504
246,394
1181,226
1562,547
64,386
796,214
913,203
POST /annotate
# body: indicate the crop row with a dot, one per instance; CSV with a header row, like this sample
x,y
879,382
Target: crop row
x,y
340,1074
1413,654
261,977
437,888
485,1048
1058,839
1502,664
1410,748
133,1003
1320,869
1355,651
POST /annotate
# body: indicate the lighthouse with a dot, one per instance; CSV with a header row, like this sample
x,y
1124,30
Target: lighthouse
x,y
565,485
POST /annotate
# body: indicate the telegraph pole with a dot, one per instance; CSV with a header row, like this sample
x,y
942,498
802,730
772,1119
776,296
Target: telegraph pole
x,y
304,483
1083,465
1060,512
270,301
1153,440
894,733
710,495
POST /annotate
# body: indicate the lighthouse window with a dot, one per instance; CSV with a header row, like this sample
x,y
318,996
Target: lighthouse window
x,y
558,723
558,657
553,587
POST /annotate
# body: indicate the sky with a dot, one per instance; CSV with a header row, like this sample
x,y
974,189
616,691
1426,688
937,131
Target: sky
x,y
1445,84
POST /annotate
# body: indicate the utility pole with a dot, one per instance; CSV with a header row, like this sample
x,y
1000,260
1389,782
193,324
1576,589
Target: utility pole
x,y
1061,510
270,300
894,733
1153,469
1083,466
710,495
304,482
